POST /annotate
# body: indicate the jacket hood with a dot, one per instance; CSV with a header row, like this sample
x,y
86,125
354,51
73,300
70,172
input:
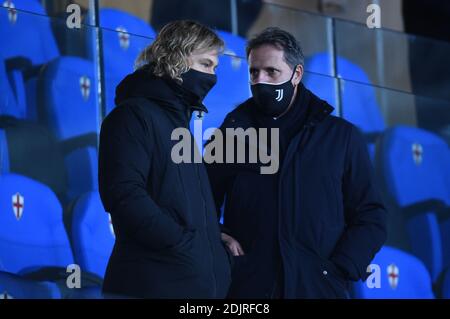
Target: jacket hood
x,y
164,91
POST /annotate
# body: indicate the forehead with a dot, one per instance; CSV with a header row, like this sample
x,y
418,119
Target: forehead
x,y
212,55
266,55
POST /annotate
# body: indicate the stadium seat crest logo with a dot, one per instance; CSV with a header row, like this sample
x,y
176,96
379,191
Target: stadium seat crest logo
x,y
124,37
417,152
12,12
393,275
18,205
85,86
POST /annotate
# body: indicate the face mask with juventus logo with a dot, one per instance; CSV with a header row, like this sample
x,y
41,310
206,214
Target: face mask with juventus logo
x,y
273,99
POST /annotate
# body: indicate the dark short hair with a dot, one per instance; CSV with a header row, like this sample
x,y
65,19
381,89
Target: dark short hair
x,y
283,40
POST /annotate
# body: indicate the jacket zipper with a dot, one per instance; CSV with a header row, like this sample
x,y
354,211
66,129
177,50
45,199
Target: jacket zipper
x,y
205,218
306,131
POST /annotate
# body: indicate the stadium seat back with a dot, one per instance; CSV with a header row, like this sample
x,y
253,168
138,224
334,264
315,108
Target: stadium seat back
x,y
16,287
32,232
26,34
82,171
92,234
124,37
4,153
69,101
401,276
359,104
412,163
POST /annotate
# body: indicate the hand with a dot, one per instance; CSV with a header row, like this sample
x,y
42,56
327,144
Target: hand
x,y
233,245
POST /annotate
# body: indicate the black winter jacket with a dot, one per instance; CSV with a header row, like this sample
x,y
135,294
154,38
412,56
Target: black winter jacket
x,y
167,235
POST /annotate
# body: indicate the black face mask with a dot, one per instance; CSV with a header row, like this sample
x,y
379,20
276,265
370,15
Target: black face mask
x,y
197,84
273,99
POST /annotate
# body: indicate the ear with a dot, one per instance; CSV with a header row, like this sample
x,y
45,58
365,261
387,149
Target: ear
x,y
190,61
298,75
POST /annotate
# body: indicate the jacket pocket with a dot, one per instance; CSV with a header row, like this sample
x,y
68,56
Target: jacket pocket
x,y
329,237
173,213
188,256
318,278
185,243
338,285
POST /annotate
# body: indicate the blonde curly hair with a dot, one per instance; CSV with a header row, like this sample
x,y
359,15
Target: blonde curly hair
x,y
168,54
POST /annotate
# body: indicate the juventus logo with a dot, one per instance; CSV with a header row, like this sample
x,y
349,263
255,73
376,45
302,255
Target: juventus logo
x,y
280,95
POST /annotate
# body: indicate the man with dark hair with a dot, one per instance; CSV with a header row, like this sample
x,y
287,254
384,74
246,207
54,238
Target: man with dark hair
x,y
314,225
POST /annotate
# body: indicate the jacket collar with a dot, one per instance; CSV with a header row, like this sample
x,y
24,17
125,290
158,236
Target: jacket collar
x,y
317,111
162,90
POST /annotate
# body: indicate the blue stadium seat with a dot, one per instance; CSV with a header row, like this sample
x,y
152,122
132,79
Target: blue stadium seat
x,y
116,20
445,219
445,289
32,233
444,224
68,97
27,42
68,106
402,275
34,246
29,149
358,100
25,34
92,234
412,163
8,101
15,287
318,77
112,79
232,86
82,171
359,104
26,6
124,37
4,153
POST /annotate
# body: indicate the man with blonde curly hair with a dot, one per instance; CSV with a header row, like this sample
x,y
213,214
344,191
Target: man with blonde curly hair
x,y
168,242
